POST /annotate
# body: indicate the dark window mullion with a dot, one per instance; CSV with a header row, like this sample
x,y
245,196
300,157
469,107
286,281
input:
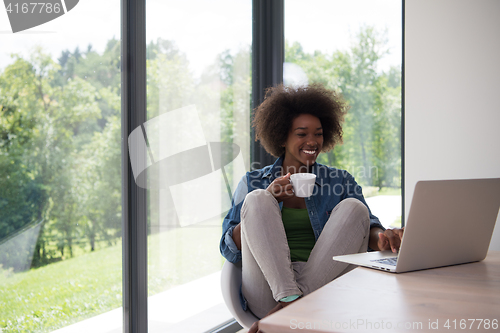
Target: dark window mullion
x,y
134,204
268,54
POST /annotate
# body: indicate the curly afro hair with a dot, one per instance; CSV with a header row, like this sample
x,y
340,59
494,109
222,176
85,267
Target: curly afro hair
x,y
282,104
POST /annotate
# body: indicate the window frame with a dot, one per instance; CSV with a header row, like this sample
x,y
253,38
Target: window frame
x,y
134,198
268,56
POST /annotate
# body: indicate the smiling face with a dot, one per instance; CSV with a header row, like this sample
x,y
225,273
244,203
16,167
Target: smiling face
x,y
304,143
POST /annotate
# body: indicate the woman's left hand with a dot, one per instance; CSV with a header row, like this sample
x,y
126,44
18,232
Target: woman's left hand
x,y
390,239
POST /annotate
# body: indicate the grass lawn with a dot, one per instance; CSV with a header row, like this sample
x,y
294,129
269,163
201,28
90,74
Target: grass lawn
x,y
389,191
63,293
371,191
53,296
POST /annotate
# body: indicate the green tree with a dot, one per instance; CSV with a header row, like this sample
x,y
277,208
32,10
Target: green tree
x,y
372,128
170,82
98,185
102,71
38,127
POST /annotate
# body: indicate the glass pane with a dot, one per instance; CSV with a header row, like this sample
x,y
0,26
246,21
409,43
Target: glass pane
x,y
354,47
199,84
60,167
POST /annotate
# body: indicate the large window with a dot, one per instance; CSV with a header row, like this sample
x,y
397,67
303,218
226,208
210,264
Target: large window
x,y
198,110
60,185
61,148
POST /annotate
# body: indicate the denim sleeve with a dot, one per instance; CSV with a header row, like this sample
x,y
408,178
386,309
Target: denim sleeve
x,y
227,246
353,190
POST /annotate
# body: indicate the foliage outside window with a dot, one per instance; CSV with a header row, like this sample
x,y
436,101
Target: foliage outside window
x,y
372,147
61,184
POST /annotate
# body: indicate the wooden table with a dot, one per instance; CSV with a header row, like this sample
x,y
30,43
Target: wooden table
x,y
453,298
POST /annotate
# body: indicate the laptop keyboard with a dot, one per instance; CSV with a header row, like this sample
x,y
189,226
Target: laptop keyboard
x,y
387,261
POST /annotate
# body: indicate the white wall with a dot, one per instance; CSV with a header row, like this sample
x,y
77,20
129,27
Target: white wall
x,y
452,92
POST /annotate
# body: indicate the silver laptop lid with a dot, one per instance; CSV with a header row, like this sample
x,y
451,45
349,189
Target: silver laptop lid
x,y
450,222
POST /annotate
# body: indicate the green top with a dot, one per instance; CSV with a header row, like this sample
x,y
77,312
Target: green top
x,y
299,233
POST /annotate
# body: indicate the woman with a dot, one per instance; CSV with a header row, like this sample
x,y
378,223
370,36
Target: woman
x,y
286,243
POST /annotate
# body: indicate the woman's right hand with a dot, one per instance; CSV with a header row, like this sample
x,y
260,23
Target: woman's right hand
x,y
281,188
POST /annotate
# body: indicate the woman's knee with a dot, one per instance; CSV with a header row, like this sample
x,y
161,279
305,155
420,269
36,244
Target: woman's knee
x,y
258,198
257,195
257,204
356,209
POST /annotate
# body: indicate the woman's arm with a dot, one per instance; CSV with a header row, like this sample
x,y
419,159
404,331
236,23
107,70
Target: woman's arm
x,y
230,249
237,236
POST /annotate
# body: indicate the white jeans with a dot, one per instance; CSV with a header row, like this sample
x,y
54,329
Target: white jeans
x,y
267,271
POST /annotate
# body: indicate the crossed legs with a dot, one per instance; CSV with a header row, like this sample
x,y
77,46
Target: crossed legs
x,y
268,273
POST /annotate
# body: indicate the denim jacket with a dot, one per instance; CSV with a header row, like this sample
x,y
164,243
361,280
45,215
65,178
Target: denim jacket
x,y
332,186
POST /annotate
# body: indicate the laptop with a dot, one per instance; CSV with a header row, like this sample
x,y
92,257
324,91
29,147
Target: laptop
x,y
450,222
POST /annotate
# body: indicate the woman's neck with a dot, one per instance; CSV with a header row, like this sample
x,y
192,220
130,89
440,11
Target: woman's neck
x,y
295,167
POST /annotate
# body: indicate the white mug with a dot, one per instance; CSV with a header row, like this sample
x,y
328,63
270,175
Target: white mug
x,y
303,184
